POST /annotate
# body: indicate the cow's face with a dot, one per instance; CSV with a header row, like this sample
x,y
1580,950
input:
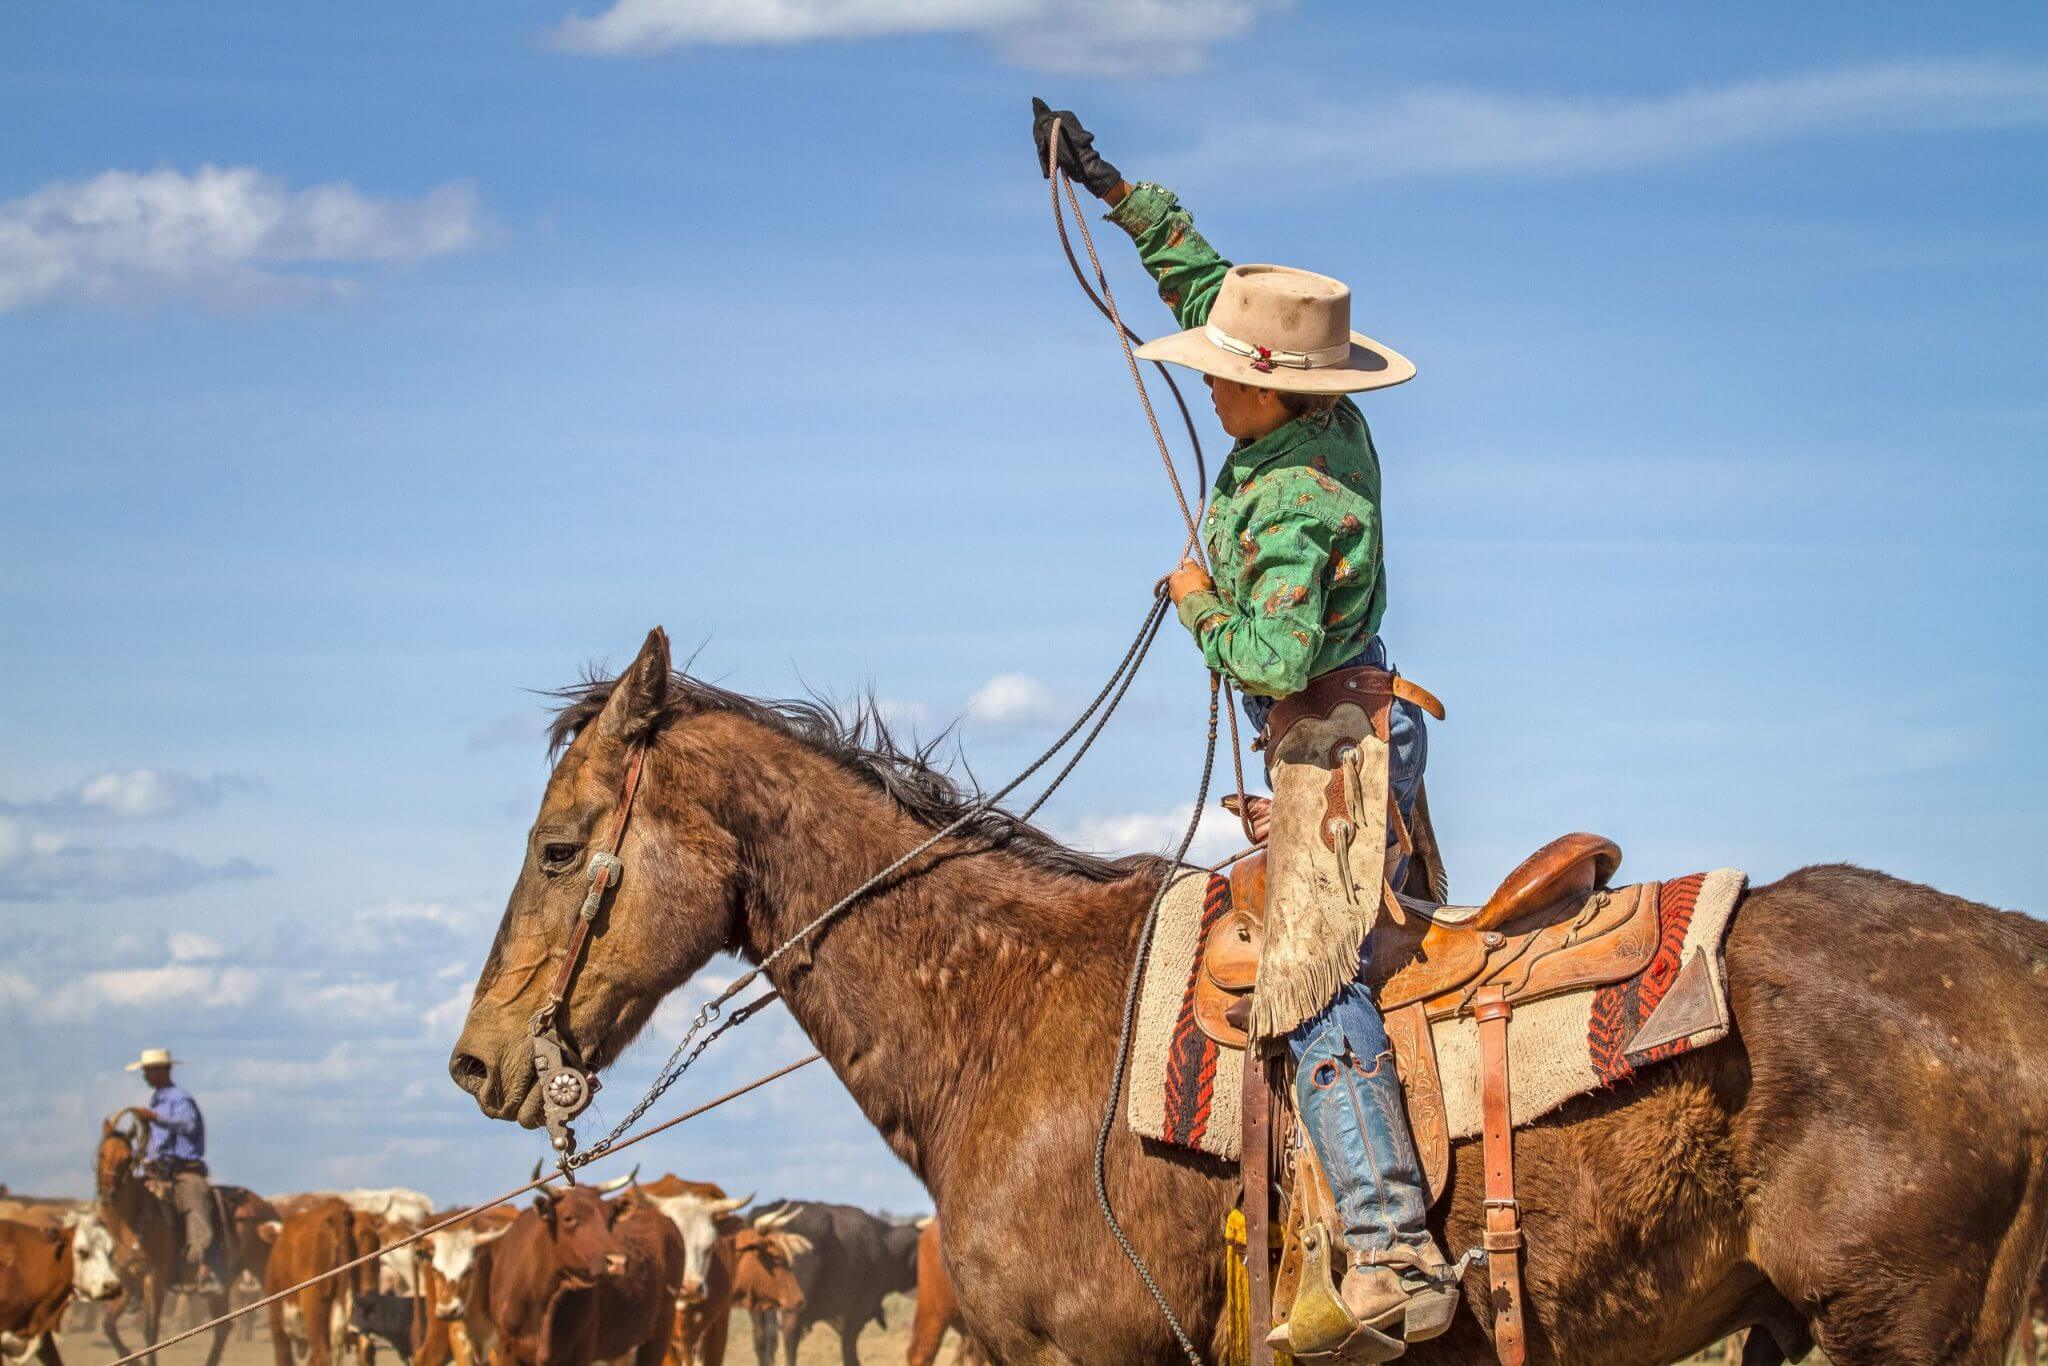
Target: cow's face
x,y
700,1220
580,1238
93,1276
764,1263
452,1259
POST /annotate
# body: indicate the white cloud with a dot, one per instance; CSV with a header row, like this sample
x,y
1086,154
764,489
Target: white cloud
x,y
1082,37
175,984
187,947
402,925
38,865
444,1021
133,794
1158,832
16,991
225,237
339,1064
1429,132
1013,700
349,1001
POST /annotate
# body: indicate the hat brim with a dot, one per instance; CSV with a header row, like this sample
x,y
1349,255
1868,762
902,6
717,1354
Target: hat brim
x,y
141,1063
1370,365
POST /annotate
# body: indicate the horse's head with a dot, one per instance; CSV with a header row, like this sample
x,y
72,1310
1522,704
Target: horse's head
x,y
674,904
113,1162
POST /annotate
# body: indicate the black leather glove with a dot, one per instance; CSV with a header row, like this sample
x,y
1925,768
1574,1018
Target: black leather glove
x,y
1077,149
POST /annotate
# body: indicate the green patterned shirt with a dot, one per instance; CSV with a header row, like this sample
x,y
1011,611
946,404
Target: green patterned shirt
x,y
1293,527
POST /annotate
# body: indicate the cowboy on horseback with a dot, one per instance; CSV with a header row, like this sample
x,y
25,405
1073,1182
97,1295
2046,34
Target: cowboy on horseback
x,y
1295,540
176,1155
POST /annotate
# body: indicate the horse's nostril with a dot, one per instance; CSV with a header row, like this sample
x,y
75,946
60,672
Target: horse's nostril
x,y
469,1072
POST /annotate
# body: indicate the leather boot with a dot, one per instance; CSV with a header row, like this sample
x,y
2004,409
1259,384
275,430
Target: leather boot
x,y
1414,1302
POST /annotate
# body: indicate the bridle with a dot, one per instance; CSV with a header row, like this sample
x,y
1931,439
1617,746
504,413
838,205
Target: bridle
x,y
566,1086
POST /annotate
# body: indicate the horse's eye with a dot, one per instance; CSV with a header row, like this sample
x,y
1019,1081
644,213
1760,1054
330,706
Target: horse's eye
x,y
558,855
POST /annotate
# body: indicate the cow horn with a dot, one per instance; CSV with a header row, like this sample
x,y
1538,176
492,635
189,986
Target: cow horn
x,y
618,1182
732,1206
536,1169
775,1219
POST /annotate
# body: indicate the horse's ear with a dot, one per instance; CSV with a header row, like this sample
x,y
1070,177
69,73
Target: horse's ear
x,y
637,698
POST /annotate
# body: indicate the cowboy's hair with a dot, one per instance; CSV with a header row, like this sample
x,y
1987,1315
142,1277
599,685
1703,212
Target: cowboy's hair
x,y
1307,405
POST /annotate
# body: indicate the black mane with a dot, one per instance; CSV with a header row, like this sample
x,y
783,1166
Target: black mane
x,y
860,741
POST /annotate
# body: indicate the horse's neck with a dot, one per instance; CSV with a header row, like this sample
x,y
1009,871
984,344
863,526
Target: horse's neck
x,y
926,992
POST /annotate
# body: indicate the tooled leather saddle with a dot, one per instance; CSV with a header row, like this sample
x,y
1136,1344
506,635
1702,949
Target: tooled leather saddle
x,y
1553,925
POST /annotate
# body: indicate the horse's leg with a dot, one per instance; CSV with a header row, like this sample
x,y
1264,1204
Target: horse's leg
x,y
216,1305
154,1290
110,1317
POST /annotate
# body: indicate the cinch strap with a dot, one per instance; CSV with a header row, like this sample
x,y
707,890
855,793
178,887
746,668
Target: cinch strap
x,y
1266,357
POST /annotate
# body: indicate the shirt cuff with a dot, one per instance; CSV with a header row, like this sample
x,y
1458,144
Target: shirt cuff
x,y
1143,209
1198,607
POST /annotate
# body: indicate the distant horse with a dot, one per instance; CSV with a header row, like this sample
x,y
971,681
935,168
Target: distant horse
x,y
147,1238
1862,1164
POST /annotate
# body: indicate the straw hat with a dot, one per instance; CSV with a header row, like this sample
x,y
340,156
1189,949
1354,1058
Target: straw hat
x,y
1274,327
152,1057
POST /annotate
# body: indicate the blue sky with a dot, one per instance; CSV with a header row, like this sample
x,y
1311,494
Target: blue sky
x,y
364,371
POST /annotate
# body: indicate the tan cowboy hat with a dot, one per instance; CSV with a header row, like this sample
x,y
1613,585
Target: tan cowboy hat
x,y
1274,327
152,1057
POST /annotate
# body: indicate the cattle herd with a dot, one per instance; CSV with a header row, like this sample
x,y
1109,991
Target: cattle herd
x,y
647,1272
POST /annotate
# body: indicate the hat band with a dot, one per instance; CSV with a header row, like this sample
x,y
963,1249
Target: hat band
x,y
1265,358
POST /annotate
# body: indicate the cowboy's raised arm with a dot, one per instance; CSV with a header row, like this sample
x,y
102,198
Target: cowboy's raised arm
x,y
1186,268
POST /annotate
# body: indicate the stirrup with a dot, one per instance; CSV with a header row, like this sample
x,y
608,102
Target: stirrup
x,y
1320,1327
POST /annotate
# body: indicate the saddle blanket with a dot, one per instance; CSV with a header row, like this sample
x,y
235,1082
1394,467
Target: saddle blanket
x,y
1188,1090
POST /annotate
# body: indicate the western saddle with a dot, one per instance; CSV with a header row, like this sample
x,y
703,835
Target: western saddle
x,y
1553,925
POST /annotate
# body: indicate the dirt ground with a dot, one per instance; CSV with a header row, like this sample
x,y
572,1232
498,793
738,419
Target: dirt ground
x,y
820,1348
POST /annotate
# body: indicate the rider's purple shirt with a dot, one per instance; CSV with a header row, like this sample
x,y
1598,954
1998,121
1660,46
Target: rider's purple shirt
x,y
180,1130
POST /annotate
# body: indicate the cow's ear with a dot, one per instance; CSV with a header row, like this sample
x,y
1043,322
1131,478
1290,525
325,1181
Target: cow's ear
x,y
544,1206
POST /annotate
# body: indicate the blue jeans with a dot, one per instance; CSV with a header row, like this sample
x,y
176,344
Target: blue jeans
x,y
1349,1098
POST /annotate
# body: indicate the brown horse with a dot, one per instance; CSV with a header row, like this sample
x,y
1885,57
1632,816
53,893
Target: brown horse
x,y
1863,1164
147,1239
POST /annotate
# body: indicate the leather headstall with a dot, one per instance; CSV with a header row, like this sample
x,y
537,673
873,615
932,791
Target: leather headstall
x,y
566,1087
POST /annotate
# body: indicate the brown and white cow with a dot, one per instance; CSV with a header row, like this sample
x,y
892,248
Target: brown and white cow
x,y
318,1235
454,1272
42,1269
574,1281
707,1219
